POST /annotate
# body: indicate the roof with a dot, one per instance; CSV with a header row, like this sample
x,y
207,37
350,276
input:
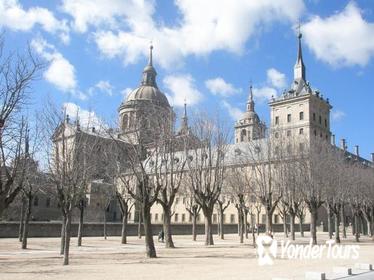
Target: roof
x,y
148,93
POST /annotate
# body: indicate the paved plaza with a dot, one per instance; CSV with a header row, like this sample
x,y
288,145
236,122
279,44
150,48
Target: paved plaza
x,y
106,259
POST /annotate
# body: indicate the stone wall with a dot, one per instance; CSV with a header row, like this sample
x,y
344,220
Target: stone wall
x,y
53,229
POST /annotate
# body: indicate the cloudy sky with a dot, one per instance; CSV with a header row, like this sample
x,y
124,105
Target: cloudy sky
x,y
205,51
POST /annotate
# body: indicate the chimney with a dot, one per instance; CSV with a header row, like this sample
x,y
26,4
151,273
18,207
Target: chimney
x,y
357,153
343,144
372,157
333,140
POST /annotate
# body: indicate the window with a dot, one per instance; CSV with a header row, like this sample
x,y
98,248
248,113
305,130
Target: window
x,y
320,119
183,218
289,149
36,201
184,200
320,135
276,120
301,116
288,133
214,218
190,218
276,219
125,122
325,122
289,118
314,116
315,133
129,216
243,134
48,202
156,217
276,135
232,218
176,200
301,147
276,151
176,217
263,218
198,217
301,131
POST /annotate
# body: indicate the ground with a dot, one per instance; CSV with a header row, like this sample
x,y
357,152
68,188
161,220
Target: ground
x,y
100,259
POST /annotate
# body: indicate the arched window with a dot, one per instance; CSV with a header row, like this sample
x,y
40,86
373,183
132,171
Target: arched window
x,y
243,134
125,122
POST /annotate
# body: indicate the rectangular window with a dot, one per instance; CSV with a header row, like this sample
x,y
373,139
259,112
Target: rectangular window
x,y
183,218
156,217
301,131
320,119
263,218
184,200
276,219
288,133
176,200
129,216
214,218
289,118
176,217
48,202
277,120
314,116
301,116
325,122
301,147
232,218
315,133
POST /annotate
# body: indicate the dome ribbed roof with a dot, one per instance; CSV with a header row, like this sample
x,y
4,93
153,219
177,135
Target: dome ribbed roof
x,y
148,93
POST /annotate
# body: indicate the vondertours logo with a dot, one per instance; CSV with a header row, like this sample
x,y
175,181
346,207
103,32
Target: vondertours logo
x,y
268,250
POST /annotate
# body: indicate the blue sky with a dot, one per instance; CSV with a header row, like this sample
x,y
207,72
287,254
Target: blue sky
x,y
206,51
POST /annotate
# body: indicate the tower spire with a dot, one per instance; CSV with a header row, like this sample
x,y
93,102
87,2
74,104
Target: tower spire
x,y
299,69
149,72
184,125
250,103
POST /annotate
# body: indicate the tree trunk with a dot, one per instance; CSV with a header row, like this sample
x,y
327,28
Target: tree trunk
x,y
167,228
357,228
337,222
194,218
253,232
105,235
343,221
80,226
124,228
329,222
292,226
149,244
246,223
63,226
269,221
140,225
208,226
26,223
258,223
22,218
241,224
67,238
285,231
313,225
221,226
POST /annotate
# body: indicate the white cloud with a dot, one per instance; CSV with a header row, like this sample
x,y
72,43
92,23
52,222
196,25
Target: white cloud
x,y
219,86
87,118
101,86
264,93
203,26
341,39
337,115
181,88
276,78
14,17
60,72
234,112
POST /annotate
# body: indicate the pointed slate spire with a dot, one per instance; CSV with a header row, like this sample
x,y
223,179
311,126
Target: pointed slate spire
x,y
299,69
149,72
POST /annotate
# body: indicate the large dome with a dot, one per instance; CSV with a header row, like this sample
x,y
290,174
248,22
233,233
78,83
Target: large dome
x,y
148,93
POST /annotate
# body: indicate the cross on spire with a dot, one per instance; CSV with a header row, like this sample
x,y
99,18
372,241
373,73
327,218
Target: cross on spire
x,y
299,69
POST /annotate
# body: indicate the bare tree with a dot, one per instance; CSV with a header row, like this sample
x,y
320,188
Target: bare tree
x,y
206,167
193,209
17,72
222,204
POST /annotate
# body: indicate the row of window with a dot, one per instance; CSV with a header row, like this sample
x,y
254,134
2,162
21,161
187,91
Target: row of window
x,y
301,117
47,201
182,218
